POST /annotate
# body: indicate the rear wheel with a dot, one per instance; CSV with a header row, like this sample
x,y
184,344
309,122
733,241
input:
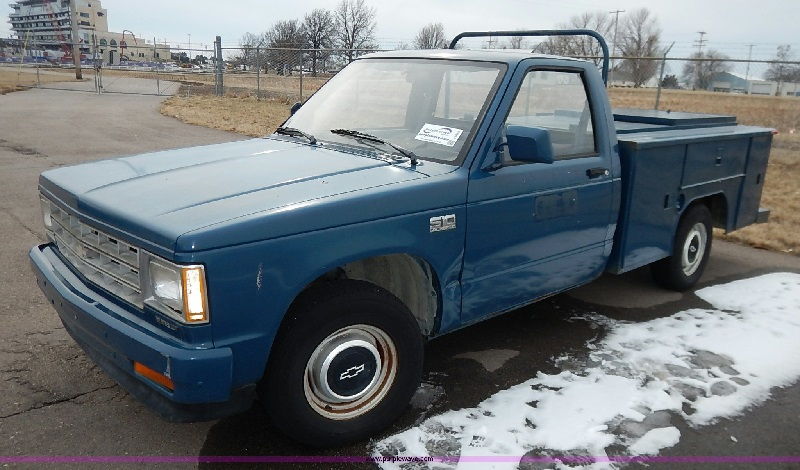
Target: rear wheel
x,y
691,248
345,365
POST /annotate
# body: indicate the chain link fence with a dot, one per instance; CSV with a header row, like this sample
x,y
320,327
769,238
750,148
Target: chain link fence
x,y
261,72
294,74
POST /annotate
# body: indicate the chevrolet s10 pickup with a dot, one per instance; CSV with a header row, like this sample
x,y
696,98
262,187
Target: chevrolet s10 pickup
x,y
416,193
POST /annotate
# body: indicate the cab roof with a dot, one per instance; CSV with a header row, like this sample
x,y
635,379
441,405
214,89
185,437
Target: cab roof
x,y
508,56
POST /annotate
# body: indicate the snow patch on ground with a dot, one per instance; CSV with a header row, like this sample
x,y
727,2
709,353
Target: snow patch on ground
x,y
655,440
699,364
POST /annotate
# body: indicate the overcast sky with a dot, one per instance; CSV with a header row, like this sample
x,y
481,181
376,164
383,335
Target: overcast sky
x,y
730,24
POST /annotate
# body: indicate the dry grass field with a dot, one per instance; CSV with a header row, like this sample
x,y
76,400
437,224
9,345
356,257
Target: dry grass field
x,y
782,114
241,82
13,79
244,115
248,116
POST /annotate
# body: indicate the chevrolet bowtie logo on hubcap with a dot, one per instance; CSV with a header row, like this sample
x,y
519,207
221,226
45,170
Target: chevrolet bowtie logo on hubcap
x,y
352,372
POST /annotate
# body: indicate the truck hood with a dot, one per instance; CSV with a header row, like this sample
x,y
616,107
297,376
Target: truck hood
x,y
157,197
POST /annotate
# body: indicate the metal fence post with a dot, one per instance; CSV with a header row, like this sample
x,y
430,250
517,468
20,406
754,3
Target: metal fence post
x,y
301,75
258,73
97,62
219,85
38,81
661,75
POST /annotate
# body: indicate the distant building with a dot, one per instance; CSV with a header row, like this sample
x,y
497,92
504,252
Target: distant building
x,y
727,82
622,78
46,25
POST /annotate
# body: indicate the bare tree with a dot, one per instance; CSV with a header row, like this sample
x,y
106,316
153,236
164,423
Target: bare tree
x,y
699,74
431,36
355,26
579,46
640,38
246,56
283,36
517,42
319,28
783,72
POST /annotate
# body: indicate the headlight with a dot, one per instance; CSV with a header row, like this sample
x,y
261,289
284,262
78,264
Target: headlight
x,y
179,291
47,215
166,284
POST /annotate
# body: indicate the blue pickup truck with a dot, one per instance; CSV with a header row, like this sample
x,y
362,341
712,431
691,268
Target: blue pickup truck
x,y
416,193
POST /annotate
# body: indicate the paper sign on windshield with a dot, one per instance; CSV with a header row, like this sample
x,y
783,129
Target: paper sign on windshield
x,y
441,135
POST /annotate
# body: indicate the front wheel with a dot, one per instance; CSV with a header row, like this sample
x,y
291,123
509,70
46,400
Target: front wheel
x,y
345,365
690,251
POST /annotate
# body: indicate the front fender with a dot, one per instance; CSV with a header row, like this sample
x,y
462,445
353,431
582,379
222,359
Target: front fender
x,y
252,286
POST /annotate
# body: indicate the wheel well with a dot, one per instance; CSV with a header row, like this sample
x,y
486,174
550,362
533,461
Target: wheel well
x,y
718,206
409,278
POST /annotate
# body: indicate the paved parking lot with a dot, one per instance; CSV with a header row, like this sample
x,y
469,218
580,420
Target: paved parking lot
x,y
56,402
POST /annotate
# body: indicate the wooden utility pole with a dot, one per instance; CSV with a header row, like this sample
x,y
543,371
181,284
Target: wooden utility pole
x,y
749,58
616,27
155,53
76,47
700,42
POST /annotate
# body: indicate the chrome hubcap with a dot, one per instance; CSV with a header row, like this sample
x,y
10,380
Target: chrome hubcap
x,y
350,372
694,247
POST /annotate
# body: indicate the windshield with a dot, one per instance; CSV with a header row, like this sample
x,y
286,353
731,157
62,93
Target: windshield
x,y
430,107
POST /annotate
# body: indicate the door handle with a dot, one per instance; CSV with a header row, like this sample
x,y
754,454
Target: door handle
x,y
596,172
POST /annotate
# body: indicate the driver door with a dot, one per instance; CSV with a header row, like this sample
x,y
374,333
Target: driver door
x,y
534,228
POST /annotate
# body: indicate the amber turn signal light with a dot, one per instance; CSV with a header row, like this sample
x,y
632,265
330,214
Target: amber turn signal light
x,y
156,377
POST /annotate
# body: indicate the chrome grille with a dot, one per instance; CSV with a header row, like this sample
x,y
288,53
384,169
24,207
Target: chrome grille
x,y
106,261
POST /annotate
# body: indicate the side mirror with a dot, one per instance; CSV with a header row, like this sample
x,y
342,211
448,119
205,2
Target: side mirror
x,y
295,107
529,144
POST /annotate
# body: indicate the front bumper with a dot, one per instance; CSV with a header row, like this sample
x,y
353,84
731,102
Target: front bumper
x,y
114,338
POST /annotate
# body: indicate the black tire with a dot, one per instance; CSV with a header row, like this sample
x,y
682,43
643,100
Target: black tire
x,y
691,248
316,321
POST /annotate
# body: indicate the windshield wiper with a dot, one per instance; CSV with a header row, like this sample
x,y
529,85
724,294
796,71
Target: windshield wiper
x,y
369,137
291,131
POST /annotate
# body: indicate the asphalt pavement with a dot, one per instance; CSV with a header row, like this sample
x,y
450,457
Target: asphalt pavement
x,y
56,402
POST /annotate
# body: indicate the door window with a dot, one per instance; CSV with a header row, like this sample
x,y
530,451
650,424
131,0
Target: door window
x,y
557,102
